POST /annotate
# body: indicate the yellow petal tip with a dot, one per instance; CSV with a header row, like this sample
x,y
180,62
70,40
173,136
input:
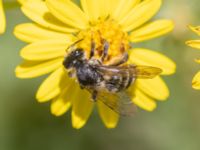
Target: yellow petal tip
x,y
193,43
60,105
56,112
19,73
196,85
41,98
77,122
196,81
111,126
149,108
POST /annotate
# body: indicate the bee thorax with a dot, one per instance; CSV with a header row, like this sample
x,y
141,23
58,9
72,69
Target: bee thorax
x,y
88,76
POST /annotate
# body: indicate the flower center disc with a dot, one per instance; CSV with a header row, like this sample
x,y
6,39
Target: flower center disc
x,y
100,33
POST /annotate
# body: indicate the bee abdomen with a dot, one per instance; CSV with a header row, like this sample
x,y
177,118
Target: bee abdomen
x,y
130,80
126,80
119,82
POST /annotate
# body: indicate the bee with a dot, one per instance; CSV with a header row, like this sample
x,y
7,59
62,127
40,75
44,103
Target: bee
x,y
107,83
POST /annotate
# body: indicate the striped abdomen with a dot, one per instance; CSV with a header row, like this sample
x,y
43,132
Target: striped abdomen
x,y
119,81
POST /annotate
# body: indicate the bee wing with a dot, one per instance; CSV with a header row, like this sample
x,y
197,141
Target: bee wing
x,y
119,102
135,71
145,71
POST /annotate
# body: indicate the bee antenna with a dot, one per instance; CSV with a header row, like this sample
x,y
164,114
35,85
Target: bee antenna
x,y
74,44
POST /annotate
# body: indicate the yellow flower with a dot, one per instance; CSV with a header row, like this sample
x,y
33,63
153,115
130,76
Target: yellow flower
x,y
195,44
2,19
2,16
58,23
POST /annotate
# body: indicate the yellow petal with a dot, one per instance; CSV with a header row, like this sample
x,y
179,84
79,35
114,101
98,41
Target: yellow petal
x,y
53,85
68,12
2,19
45,50
95,9
108,116
113,4
29,32
143,101
82,108
197,60
146,57
122,7
62,103
31,69
24,1
140,14
196,81
155,88
195,29
38,12
194,44
152,30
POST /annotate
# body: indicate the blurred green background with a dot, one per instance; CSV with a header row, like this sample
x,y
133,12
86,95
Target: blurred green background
x,y
174,125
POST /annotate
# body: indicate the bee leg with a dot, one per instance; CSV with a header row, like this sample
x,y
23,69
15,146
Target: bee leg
x,y
105,50
71,74
120,61
92,49
72,45
94,96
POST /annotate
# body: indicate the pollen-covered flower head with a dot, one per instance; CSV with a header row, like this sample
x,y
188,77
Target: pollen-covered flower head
x,y
57,24
195,44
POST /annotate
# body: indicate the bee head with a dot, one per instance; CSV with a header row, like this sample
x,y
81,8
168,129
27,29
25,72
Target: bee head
x,y
73,58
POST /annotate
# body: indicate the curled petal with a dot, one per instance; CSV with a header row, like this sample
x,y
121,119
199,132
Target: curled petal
x,y
196,81
194,44
195,29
